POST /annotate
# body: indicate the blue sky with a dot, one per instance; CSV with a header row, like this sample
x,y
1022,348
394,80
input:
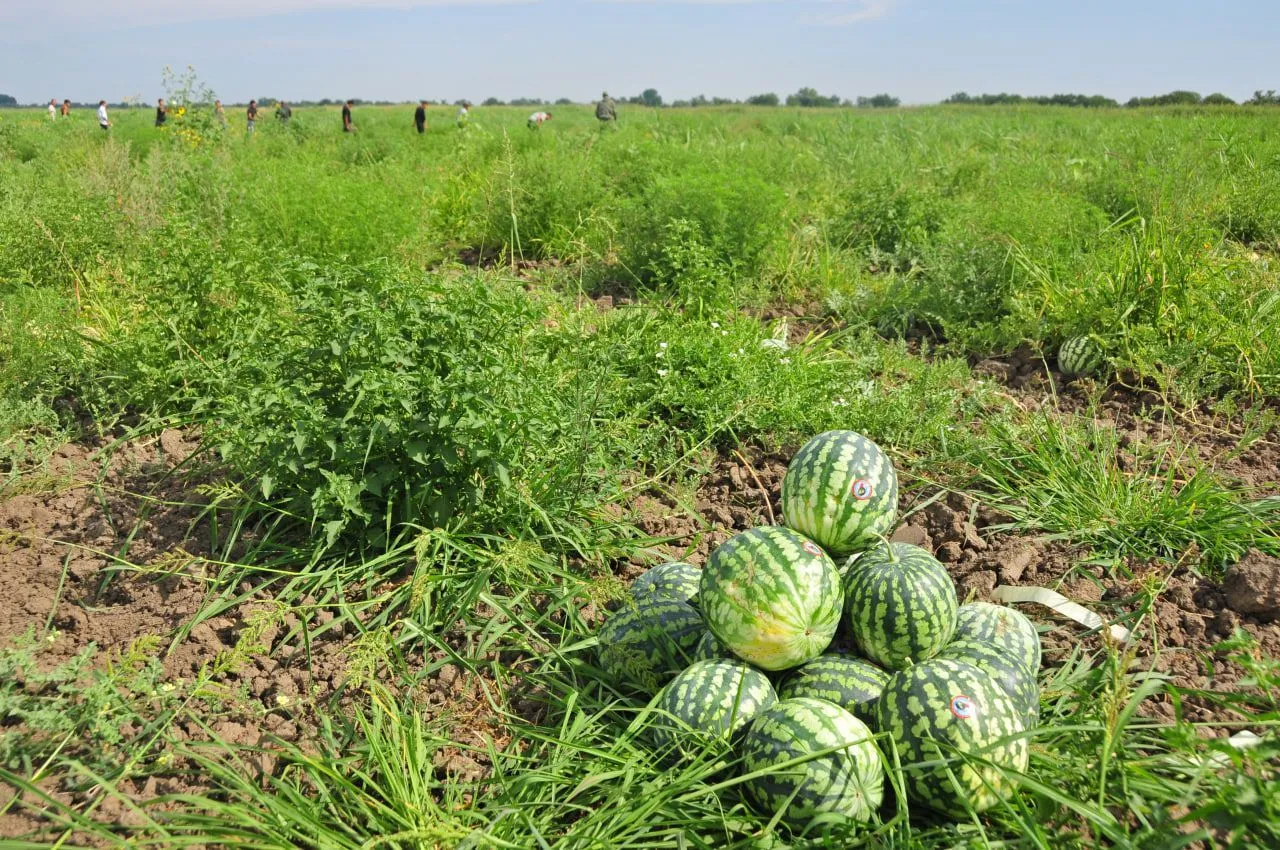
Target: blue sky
x,y
919,50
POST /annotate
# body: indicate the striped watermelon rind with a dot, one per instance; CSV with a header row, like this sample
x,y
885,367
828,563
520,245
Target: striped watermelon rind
x,y
646,643
1000,626
1008,671
847,782
1080,355
841,491
676,580
718,697
957,736
900,605
710,647
849,682
771,596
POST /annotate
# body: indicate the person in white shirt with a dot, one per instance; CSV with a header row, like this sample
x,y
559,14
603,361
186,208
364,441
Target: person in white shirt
x,y
464,117
53,109
536,119
103,121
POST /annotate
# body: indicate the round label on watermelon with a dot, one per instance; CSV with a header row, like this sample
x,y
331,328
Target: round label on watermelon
x,y
963,708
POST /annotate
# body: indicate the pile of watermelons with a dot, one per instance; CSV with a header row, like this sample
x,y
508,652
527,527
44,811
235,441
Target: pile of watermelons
x,y
827,657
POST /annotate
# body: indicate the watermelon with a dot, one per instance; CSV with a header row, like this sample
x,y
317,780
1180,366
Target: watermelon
x,y
646,643
709,647
717,697
1080,355
846,782
1008,671
955,734
841,491
901,604
677,580
1003,627
849,682
772,597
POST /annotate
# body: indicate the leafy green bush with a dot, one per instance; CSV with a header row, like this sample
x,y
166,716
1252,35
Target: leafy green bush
x,y
372,400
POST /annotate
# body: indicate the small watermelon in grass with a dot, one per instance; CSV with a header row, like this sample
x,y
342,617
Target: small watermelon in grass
x,y
846,782
772,597
957,736
849,682
676,580
1080,355
841,491
646,643
1002,627
717,697
900,603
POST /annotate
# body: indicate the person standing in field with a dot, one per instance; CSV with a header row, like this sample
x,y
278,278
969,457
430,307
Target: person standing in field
x,y
162,112
53,109
464,117
66,108
420,116
103,121
284,112
219,113
536,119
347,126
251,117
606,110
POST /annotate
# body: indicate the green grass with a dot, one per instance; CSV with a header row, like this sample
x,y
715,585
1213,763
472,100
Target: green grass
x,y
436,457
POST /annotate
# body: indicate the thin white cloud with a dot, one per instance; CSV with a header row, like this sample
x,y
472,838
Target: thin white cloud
x,y
125,13
856,13
841,13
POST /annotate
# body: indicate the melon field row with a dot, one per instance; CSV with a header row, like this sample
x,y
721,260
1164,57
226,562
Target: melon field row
x,y
326,460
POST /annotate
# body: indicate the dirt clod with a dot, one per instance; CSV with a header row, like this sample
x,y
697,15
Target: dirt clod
x,y
1253,585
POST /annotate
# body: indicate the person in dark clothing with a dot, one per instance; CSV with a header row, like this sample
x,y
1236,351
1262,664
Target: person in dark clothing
x,y
284,112
607,110
420,117
162,112
251,116
347,126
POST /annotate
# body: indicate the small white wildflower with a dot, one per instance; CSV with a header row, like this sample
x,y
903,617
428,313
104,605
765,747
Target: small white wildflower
x,y
52,637
724,333
740,351
784,360
840,402
660,354
662,373
715,324
662,345
282,699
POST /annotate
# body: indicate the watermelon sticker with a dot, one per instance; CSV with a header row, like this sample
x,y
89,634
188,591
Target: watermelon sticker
x,y
963,708
812,549
861,489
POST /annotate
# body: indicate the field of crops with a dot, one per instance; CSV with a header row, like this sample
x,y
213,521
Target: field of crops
x,y
324,457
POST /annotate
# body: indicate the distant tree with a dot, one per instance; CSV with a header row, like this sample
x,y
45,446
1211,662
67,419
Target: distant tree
x,y
766,99
879,101
1173,98
527,101
1264,98
563,101
1006,99
491,101
810,97
680,104
723,101
8,100
650,97
1218,99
